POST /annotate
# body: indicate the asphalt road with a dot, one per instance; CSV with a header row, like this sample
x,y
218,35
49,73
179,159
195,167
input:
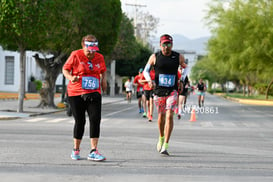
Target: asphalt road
x,y
228,142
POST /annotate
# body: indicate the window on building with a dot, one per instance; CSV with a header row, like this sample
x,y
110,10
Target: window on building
x,y
9,70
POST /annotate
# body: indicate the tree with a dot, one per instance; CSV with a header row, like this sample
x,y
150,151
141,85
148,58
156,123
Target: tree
x,y
60,36
105,14
52,70
36,25
130,67
126,46
147,27
130,55
101,18
202,69
130,52
21,23
242,38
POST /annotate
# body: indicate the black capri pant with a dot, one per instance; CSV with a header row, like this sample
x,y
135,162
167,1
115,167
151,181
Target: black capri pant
x,y
91,104
149,94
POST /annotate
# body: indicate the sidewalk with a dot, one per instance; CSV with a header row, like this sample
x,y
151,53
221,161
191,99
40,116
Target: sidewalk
x,y
9,107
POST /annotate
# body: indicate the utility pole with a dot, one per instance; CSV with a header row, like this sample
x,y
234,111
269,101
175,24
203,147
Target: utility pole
x,y
136,6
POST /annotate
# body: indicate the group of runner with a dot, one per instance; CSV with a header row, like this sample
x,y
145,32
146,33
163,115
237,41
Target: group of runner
x,y
145,93
160,80
165,83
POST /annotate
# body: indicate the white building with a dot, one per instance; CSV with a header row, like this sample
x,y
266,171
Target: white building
x,y
10,70
190,56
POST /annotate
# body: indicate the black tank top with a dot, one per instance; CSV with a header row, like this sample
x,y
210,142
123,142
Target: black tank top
x,y
200,86
166,68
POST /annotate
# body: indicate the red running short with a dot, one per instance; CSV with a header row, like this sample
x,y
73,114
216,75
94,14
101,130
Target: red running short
x,y
167,102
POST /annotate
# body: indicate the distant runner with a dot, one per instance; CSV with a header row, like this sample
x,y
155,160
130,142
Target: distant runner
x,y
128,88
140,92
183,92
149,93
201,87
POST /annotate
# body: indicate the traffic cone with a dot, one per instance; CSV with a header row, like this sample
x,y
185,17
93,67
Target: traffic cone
x,y
193,117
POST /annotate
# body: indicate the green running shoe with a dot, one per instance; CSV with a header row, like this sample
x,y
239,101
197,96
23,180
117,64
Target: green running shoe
x,y
144,115
164,149
160,143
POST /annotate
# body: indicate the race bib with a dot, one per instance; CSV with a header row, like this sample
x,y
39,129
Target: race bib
x,y
90,83
141,89
166,80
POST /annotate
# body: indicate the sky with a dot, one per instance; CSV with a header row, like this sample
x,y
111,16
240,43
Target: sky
x,y
184,17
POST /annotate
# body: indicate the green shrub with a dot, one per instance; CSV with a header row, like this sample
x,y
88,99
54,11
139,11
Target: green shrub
x,y
217,90
39,84
261,88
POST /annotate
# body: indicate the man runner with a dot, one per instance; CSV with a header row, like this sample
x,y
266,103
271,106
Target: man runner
x,y
166,63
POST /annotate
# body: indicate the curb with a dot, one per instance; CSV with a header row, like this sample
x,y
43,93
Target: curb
x,y
29,115
248,101
9,118
45,113
251,102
